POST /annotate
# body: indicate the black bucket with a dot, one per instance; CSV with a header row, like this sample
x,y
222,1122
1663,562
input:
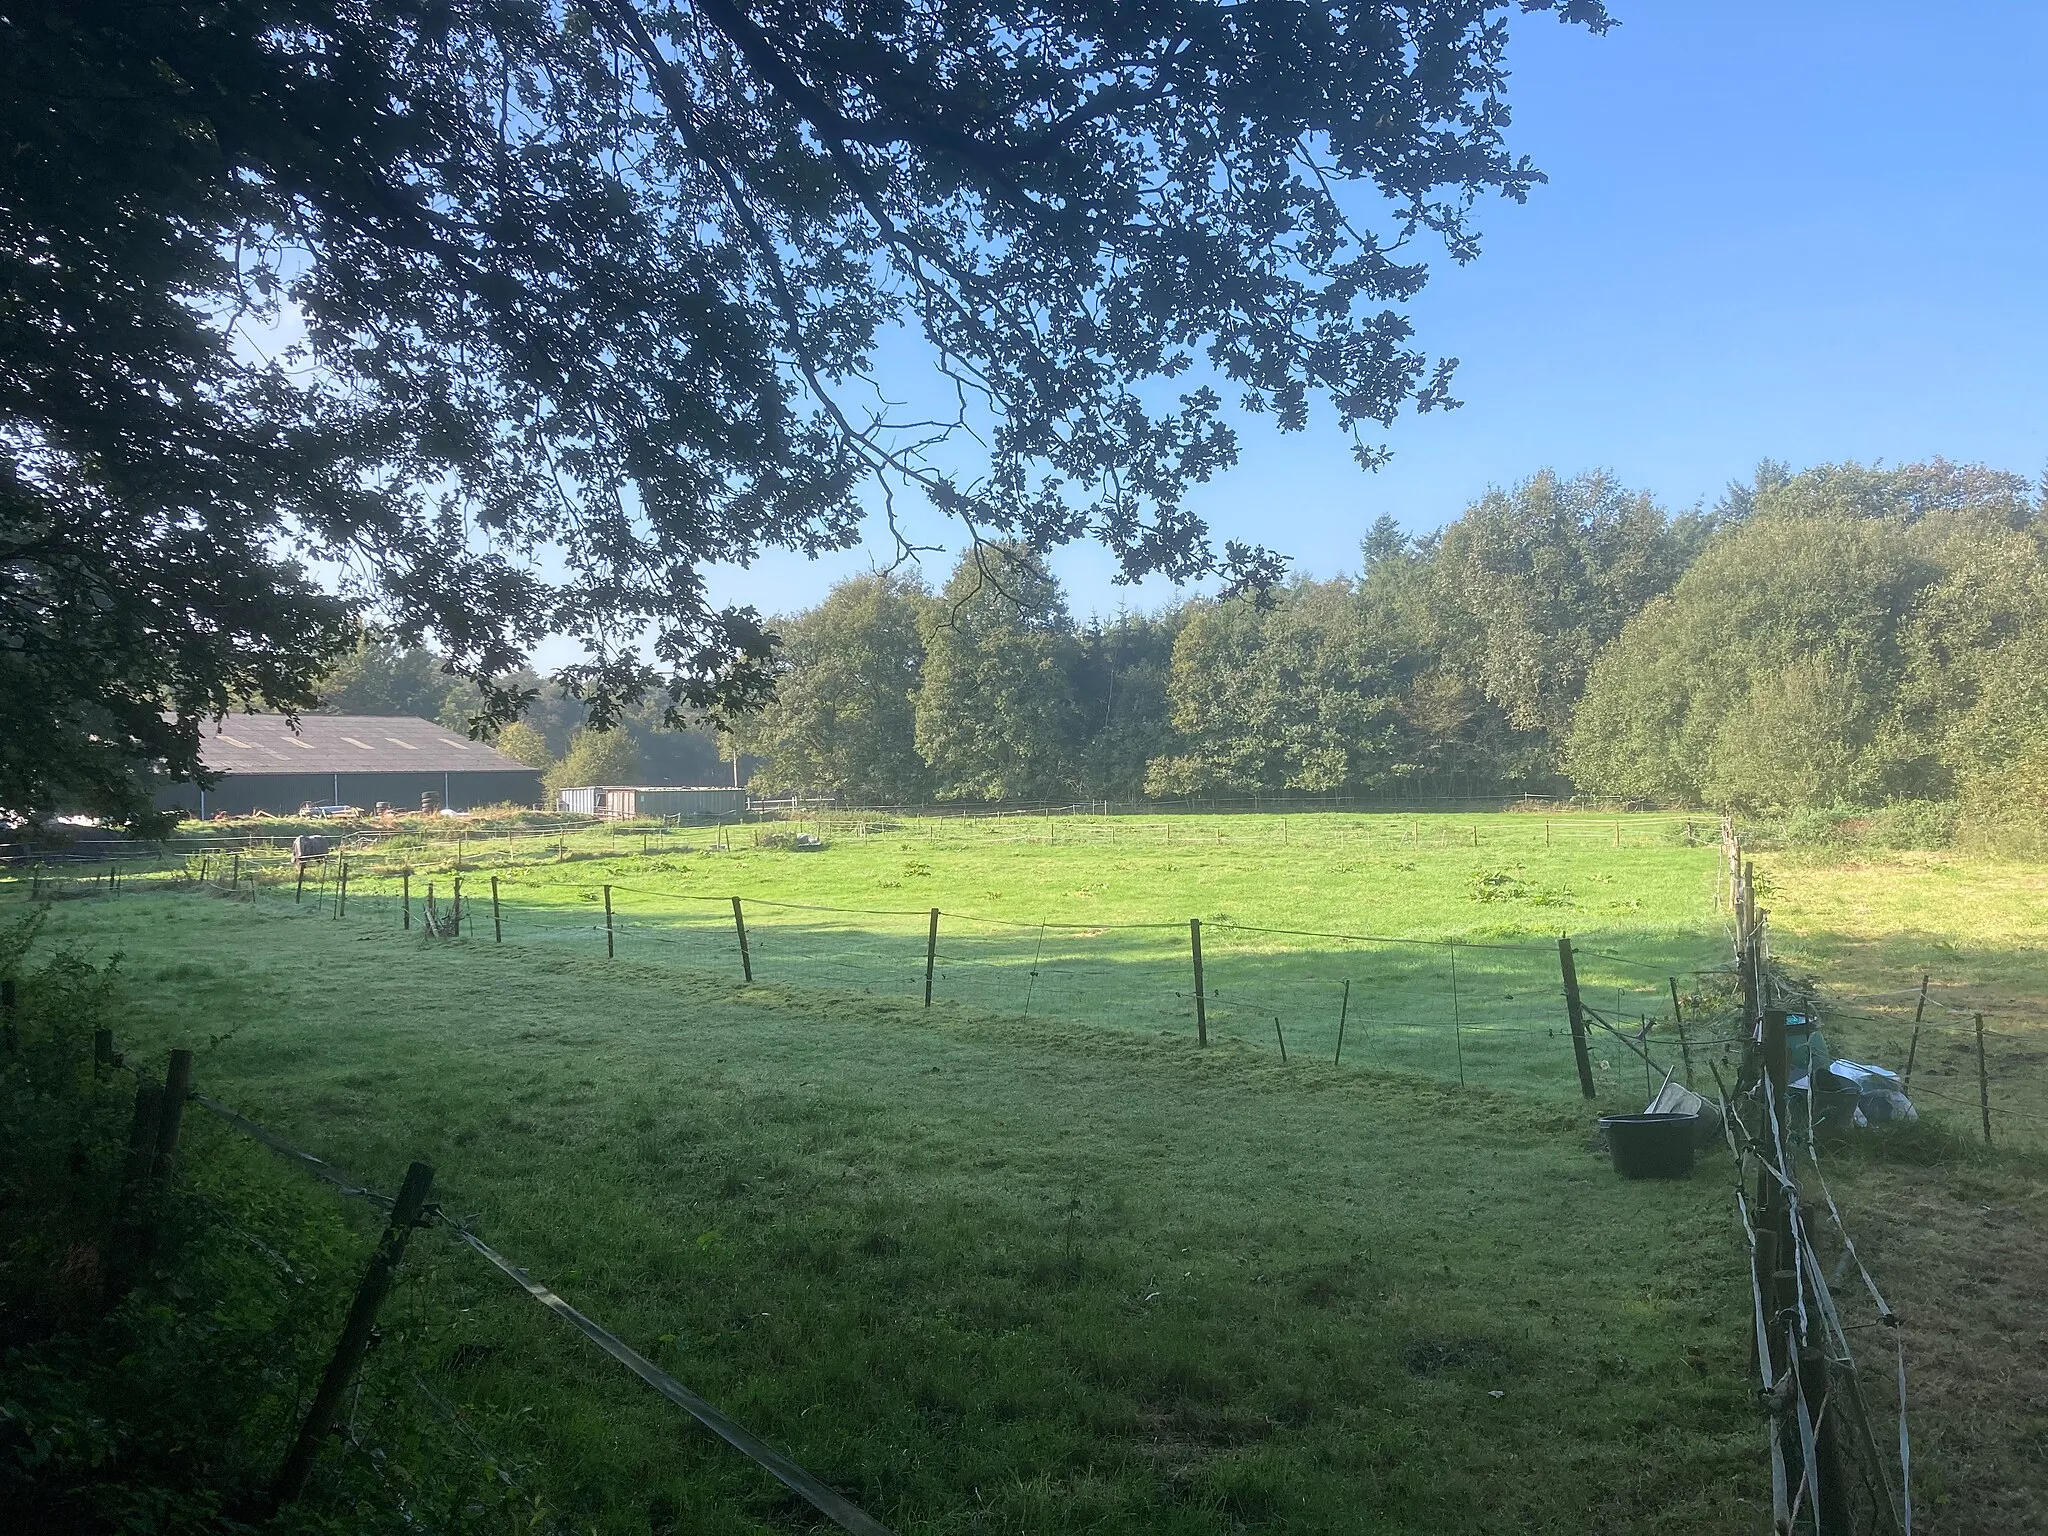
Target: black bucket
x,y
1650,1146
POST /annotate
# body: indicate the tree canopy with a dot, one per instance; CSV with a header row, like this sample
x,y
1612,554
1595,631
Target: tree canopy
x,y
843,719
517,316
1846,636
1863,635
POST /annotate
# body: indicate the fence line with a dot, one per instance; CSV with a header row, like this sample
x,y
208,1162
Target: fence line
x,y
841,1511
1403,1006
1820,1424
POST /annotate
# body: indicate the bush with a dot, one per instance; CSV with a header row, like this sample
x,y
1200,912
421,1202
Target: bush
x,y
1903,824
150,1383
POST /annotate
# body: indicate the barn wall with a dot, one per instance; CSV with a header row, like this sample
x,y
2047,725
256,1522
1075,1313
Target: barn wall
x,y
282,794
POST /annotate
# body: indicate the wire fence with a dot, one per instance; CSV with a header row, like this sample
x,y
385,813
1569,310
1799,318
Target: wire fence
x,y
442,1330
1487,1013
1138,827
1460,1011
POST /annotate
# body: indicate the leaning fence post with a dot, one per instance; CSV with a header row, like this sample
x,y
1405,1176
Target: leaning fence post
x,y
609,951
931,956
171,1117
355,1334
497,924
131,1240
1678,1022
1201,1004
1575,1011
1919,1013
1281,1038
1343,1013
1983,1081
739,923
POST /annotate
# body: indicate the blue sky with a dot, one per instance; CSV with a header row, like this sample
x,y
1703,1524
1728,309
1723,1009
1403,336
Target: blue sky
x,y
1807,231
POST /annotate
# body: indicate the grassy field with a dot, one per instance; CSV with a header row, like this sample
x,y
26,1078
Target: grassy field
x,y
1029,1260
1429,943
991,1273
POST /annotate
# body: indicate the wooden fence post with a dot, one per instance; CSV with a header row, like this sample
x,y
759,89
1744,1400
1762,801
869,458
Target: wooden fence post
x,y
610,951
235,881
170,1118
149,1104
739,923
1575,1011
341,891
1457,1018
497,923
405,899
1777,1059
1983,1081
355,1335
455,906
931,956
1201,1001
1343,1013
298,891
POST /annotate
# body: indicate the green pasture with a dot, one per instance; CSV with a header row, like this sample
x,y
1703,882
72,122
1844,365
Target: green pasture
x,y
985,1273
1427,943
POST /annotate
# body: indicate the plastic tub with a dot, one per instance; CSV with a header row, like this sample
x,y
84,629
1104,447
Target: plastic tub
x,y
1650,1146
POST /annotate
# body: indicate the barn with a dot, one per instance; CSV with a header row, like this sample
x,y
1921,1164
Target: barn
x,y
266,765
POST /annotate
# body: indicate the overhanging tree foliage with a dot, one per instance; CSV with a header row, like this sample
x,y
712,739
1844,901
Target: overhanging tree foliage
x,y
517,315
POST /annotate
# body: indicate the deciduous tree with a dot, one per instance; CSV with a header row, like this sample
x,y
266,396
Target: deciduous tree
x,y
519,315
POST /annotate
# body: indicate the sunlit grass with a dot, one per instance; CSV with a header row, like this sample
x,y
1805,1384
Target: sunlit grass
x,y
985,1274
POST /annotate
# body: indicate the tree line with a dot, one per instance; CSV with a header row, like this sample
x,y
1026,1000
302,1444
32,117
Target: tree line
x,y
1844,636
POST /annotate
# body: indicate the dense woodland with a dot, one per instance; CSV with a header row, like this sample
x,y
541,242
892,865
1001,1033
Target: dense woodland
x,y
1840,637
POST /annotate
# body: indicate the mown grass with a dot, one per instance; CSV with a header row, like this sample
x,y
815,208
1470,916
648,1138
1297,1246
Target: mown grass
x,y
984,1274
1084,920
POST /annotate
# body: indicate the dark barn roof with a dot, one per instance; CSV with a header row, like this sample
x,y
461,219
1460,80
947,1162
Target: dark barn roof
x,y
330,744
